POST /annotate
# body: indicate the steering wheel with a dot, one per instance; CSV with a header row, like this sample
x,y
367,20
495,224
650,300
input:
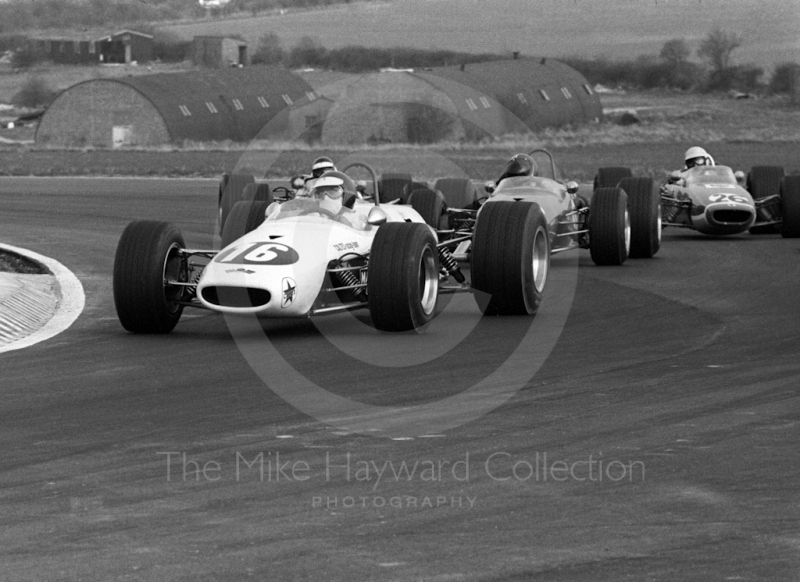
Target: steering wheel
x,y
320,210
287,193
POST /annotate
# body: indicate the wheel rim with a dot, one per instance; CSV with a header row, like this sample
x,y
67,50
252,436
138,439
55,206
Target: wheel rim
x,y
428,281
658,226
627,232
540,262
172,271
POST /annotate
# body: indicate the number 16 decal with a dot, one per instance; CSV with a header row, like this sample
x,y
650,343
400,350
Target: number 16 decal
x,y
259,253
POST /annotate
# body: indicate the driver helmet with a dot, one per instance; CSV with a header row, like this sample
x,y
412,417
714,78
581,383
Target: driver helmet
x,y
334,185
520,165
320,166
696,156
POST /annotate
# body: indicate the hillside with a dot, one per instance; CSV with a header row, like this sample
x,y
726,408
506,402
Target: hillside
x,y
618,29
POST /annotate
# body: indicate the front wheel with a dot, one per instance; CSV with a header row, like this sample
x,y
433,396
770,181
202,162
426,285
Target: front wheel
x,y
147,259
609,227
610,177
403,277
644,208
510,258
790,200
763,181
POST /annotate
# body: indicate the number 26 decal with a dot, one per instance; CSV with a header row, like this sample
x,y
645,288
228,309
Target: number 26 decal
x,y
725,197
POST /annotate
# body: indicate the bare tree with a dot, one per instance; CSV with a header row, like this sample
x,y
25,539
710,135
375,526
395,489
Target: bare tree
x,y
717,48
269,51
675,51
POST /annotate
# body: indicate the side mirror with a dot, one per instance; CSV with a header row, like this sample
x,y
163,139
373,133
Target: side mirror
x,y
572,187
376,216
490,186
740,177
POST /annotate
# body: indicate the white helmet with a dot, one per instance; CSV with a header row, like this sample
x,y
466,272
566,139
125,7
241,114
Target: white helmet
x,y
697,156
321,165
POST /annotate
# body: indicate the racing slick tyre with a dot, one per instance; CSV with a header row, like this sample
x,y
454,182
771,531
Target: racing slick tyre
x,y
258,192
609,227
148,254
510,258
231,194
644,209
763,181
403,277
610,177
458,192
223,181
393,186
790,200
429,205
244,217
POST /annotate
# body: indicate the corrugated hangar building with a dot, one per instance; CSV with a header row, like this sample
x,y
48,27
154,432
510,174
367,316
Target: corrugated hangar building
x,y
466,103
469,102
204,105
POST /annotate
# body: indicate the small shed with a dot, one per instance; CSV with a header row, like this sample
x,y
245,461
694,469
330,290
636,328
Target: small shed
x,y
65,49
91,47
126,46
219,51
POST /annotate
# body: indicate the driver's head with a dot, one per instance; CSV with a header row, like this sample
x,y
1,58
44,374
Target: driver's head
x,y
696,156
334,185
320,166
520,165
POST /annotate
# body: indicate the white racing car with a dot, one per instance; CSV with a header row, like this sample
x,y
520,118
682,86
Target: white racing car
x,y
303,260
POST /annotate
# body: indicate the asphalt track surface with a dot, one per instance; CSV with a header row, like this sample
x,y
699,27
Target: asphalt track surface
x,y
683,369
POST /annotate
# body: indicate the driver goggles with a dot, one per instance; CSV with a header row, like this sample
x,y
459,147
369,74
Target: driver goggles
x,y
701,161
329,191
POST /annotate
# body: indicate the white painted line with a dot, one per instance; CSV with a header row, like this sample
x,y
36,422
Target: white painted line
x,y
71,301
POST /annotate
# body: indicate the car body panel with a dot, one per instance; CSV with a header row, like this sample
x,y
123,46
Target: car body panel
x,y
550,195
718,204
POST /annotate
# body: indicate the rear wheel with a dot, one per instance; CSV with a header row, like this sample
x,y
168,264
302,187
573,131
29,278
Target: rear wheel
x,y
609,227
790,200
257,192
232,193
610,177
429,205
394,186
644,208
458,192
244,217
510,258
403,279
148,255
763,181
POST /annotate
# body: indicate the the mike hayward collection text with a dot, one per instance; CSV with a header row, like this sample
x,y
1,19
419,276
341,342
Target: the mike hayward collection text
x,y
499,466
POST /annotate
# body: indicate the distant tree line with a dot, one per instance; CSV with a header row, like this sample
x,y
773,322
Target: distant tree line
x,y
672,68
20,15
358,59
